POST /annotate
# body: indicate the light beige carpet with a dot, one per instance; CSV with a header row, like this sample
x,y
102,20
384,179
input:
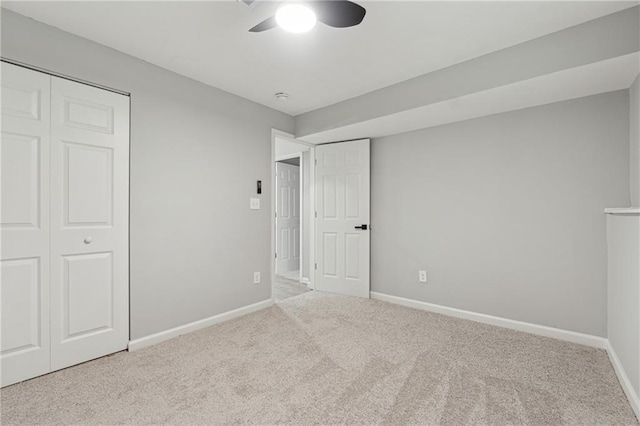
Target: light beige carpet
x,y
320,358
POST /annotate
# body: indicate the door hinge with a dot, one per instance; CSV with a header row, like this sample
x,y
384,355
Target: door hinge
x,y
316,266
276,255
315,161
276,214
315,214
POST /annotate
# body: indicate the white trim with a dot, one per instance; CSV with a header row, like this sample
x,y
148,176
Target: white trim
x,y
65,77
540,330
153,339
290,137
289,156
622,210
312,220
631,394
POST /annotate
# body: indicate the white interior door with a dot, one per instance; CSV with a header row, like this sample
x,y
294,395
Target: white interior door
x,y
342,234
24,229
287,218
89,222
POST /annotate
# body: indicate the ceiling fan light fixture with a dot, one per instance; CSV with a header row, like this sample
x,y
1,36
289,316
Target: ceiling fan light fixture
x,y
296,18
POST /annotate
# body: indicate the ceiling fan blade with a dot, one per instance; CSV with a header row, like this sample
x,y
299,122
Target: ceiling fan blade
x,y
339,13
265,25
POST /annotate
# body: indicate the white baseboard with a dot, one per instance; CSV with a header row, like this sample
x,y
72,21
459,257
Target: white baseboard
x,y
632,396
153,339
540,330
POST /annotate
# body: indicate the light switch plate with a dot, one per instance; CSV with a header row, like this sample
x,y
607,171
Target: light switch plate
x,y
256,277
254,203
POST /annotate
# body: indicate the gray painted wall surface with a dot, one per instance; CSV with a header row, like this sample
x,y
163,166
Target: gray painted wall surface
x,y
196,153
623,237
604,38
504,212
634,141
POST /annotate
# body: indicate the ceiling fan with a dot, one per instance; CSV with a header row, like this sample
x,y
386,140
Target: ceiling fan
x,y
301,16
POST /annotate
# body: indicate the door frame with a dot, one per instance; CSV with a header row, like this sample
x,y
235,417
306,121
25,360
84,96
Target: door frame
x,y
279,134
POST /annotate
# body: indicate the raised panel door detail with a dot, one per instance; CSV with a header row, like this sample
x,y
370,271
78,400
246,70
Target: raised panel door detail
x,y
352,256
285,209
330,254
21,102
89,218
285,244
25,224
21,301
352,158
288,218
89,185
352,196
88,294
342,194
20,186
296,242
329,160
329,197
88,115
295,202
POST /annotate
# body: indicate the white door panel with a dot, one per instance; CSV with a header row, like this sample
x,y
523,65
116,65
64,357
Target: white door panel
x,y
64,158
342,182
89,223
288,218
24,228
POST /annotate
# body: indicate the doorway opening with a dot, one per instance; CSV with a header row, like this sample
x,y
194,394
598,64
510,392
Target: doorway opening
x,y
293,221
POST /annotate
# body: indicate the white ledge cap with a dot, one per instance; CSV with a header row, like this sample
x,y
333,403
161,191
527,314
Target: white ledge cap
x,y
622,210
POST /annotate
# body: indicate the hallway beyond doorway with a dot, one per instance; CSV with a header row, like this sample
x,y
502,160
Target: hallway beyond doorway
x,y
289,285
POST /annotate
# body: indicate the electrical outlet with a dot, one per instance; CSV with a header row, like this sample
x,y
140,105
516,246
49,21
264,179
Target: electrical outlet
x,y
256,277
254,203
422,276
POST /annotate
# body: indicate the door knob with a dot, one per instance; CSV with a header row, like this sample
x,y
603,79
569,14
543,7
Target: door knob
x,y
88,240
363,227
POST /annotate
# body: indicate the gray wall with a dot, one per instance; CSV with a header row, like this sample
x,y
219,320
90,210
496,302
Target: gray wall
x,y
623,238
504,212
634,141
196,153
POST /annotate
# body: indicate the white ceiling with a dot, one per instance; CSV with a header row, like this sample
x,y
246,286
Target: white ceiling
x,y
209,41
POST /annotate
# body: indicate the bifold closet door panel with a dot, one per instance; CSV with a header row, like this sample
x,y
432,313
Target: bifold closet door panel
x,y
89,222
24,227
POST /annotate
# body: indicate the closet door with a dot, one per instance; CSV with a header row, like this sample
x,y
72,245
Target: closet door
x,y
24,227
89,222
